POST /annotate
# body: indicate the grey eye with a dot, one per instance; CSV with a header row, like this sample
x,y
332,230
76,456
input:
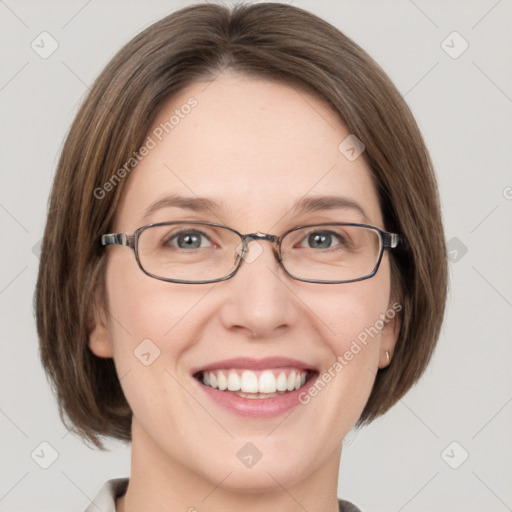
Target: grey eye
x,y
321,240
190,239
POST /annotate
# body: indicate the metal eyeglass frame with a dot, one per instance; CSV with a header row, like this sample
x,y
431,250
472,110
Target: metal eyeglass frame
x,y
388,241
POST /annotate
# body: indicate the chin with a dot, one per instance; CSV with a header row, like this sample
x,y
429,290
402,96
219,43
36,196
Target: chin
x,y
264,478
264,464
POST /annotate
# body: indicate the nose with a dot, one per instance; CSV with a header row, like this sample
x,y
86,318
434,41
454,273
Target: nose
x,y
260,300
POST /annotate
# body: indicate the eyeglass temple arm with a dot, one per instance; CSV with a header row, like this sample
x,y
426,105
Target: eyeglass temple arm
x,y
117,239
391,240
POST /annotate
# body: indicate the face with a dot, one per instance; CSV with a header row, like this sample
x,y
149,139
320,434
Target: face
x,y
254,148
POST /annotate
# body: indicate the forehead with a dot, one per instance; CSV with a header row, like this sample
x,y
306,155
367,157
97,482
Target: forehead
x,y
252,146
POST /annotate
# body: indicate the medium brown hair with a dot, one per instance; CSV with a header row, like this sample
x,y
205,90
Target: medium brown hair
x,y
266,40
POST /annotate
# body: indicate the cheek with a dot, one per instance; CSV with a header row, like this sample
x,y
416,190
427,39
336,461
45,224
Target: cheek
x,y
146,315
152,323
352,314
351,318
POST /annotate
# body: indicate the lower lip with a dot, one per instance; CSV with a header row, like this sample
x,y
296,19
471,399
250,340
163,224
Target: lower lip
x,y
257,407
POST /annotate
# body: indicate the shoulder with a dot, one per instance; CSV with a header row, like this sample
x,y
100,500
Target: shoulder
x,y
346,506
105,500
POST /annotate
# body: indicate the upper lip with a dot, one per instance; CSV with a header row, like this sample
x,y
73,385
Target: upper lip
x,y
248,363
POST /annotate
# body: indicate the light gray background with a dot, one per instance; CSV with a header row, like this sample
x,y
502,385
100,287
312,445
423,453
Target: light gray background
x,y
463,106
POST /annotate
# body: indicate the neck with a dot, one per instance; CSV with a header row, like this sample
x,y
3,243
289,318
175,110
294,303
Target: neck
x,y
161,483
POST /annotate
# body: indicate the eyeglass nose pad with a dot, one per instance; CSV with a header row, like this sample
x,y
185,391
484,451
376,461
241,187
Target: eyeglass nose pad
x,y
240,250
249,256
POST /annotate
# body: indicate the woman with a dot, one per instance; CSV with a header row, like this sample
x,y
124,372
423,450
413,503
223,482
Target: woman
x,y
243,259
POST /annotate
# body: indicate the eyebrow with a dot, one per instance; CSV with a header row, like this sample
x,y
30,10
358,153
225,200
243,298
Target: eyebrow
x,y
303,205
320,203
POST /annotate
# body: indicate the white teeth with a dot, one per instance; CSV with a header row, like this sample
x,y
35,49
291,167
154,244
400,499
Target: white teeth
x,y
251,383
222,381
281,382
290,385
257,396
267,382
233,381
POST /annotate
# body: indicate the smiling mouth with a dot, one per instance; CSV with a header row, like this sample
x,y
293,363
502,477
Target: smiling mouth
x,y
261,384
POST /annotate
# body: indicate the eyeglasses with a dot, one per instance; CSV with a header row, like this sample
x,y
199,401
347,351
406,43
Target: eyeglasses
x,y
205,252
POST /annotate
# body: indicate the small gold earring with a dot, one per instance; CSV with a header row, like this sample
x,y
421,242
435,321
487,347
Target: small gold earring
x,y
387,355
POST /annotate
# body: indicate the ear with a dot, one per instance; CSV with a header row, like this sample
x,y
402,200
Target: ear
x,y
100,340
389,334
